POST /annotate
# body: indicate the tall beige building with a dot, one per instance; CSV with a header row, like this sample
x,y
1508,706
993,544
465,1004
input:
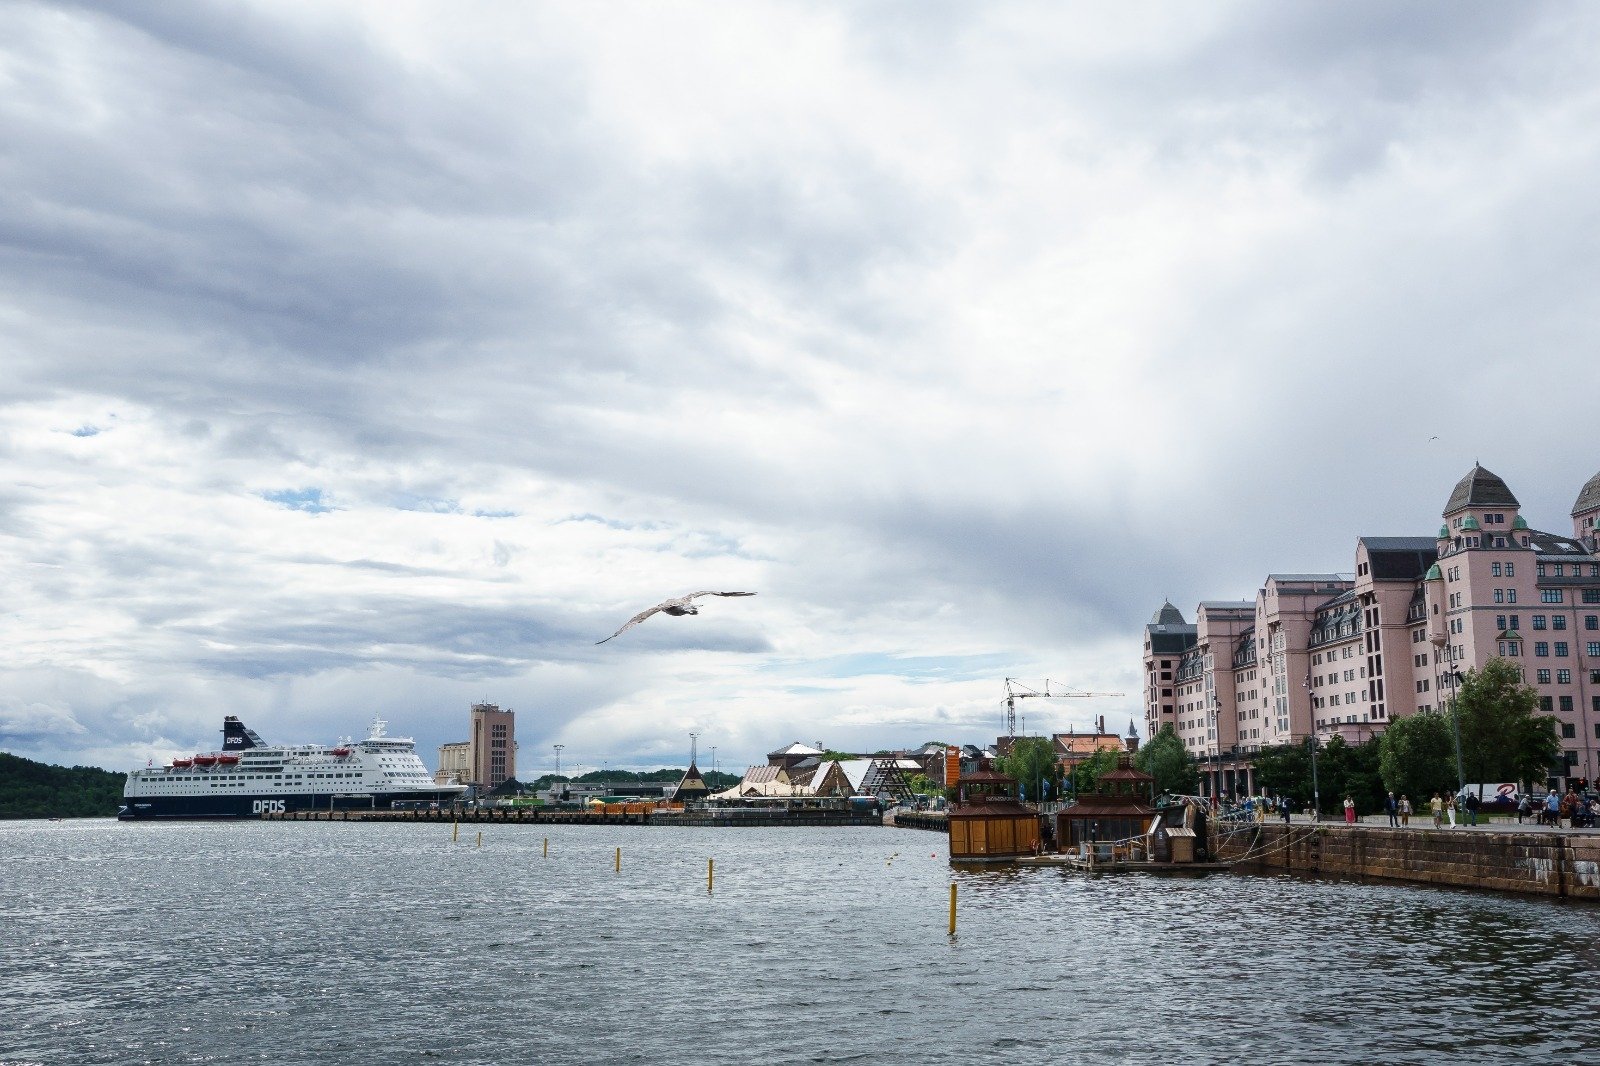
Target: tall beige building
x,y
489,754
492,745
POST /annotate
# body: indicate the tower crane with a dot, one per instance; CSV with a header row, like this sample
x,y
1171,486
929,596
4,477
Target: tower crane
x,y
1015,691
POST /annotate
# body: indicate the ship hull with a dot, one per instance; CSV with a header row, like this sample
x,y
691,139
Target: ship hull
x,y
161,808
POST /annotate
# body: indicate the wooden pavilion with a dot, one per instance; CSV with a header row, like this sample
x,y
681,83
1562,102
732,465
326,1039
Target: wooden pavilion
x,y
989,823
1117,812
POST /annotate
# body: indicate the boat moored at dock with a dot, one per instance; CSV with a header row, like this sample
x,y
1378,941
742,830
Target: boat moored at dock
x,y
251,778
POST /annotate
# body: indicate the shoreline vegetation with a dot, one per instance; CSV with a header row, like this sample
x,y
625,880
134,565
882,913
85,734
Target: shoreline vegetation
x,y
31,789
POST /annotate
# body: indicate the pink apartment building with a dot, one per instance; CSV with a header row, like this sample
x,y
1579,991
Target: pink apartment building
x,y
1344,654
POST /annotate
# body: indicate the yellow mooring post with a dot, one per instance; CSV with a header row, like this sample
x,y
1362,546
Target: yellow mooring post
x,y
619,860
952,908
547,847
455,827
480,838
711,873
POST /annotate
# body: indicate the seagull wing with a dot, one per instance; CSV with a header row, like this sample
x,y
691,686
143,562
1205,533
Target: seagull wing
x,y
635,620
697,595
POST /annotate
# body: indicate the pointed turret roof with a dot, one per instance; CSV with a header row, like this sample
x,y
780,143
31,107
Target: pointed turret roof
x,y
1168,615
1480,488
1589,498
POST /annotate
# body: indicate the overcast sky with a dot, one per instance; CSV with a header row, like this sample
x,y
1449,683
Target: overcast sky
x,y
381,358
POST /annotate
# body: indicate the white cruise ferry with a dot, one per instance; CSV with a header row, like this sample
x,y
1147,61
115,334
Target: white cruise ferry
x,y
250,777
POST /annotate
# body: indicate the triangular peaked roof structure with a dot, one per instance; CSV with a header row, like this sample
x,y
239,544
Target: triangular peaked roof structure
x,y
692,787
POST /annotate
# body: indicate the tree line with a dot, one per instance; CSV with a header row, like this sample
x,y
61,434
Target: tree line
x,y
31,789
1503,738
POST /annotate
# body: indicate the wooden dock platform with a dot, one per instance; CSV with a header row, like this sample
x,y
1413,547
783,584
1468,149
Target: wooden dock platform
x,y
1106,866
753,818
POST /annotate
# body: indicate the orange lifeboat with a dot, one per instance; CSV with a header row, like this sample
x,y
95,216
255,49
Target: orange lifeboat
x,y
227,760
341,752
205,760
182,764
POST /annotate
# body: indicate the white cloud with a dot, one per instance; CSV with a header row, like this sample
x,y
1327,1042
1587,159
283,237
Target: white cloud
x,y
371,359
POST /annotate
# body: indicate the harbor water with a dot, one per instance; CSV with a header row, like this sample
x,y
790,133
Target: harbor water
x,y
354,944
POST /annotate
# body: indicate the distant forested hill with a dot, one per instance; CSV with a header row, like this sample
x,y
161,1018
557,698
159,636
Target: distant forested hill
x,y
31,789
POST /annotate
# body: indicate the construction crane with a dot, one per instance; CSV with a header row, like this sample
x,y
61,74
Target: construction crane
x,y
1015,691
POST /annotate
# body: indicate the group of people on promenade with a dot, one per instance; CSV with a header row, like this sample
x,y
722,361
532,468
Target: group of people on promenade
x,y
1573,809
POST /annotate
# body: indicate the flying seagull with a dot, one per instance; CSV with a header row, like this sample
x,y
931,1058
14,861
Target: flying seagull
x,y
680,606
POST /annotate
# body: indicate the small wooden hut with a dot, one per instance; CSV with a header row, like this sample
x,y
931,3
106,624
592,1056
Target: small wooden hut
x,y
989,823
1117,812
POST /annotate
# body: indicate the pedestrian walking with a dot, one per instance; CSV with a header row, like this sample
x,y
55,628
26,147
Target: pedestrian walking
x,y
1405,810
1349,811
1393,806
1552,808
1283,808
1450,809
1472,808
1524,808
1437,806
1261,810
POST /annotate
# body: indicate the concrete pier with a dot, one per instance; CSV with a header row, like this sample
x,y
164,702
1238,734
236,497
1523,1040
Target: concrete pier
x,y
1531,861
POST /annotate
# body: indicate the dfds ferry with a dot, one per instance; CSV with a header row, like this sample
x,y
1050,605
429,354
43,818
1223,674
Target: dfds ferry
x,y
249,778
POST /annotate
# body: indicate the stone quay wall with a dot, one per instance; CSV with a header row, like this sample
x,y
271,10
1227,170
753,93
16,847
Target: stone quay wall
x,y
1537,863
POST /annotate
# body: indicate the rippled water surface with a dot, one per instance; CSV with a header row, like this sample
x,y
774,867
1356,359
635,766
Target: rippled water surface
x,y
351,944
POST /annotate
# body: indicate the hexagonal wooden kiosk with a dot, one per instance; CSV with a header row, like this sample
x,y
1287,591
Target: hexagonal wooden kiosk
x,y
989,823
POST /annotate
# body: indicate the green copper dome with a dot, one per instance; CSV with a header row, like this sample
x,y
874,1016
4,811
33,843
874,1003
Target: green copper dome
x,y
1434,573
1470,523
1444,534
1519,523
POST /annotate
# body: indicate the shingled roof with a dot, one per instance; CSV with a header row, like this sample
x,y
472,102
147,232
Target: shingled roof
x,y
1480,488
1589,497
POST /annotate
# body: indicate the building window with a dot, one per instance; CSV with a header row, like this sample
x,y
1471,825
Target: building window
x,y
1516,622
1541,650
1550,596
1566,704
1511,595
1511,570
1591,595
1561,649
1558,621
1542,676
1593,648
1547,705
1563,677
1499,595
1538,621
1494,569
1568,730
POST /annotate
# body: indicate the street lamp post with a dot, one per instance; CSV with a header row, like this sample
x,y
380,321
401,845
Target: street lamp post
x,y
1455,718
1316,791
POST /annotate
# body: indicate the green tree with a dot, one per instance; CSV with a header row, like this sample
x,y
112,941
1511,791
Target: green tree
x,y
1503,737
1417,757
1086,775
1350,770
31,789
1285,770
1032,761
1164,758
